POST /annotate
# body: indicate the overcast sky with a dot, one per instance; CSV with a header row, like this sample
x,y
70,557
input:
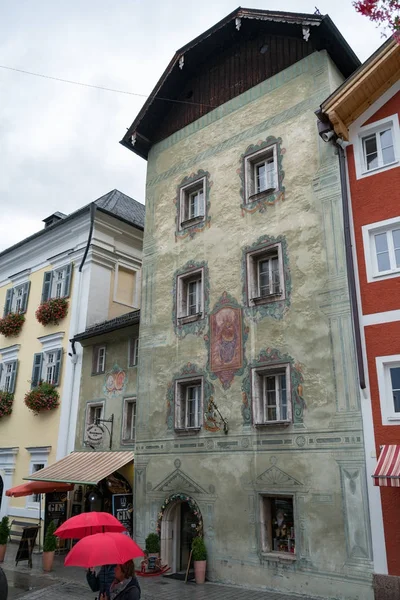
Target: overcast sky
x,y
59,143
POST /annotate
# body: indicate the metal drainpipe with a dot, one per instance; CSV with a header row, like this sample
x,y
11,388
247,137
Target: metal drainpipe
x,y
351,280
74,357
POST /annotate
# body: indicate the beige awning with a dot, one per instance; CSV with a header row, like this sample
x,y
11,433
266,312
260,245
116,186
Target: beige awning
x,y
85,468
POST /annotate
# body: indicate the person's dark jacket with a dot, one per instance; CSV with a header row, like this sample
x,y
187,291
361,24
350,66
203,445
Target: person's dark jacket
x,y
131,592
102,581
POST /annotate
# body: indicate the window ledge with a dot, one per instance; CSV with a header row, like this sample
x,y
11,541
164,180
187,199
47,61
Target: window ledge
x,y
132,366
269,423
261,195
128,442
190,318
393,418
266,299
192,221
98,373
278,556
189,431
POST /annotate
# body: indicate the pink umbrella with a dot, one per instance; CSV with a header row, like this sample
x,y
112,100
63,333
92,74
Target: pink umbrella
x,y
88,524
103,549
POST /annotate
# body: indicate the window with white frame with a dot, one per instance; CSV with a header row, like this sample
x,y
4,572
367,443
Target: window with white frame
x,y
277,524
388,371
129,420
94,412
190,301
382,249
47,367
36,467
261,173
133,352
57,283
271,395
17,299
8,375
378,146
188,404
39,459
192,203
265,281
99,359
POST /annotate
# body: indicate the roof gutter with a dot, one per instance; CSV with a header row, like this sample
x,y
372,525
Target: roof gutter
x,y
351,280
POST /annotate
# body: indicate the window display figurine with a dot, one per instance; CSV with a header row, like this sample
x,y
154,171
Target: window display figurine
x,y
280,526
145,562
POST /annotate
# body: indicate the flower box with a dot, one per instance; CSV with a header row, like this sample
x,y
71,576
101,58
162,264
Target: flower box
x,y
11,324
42,398
6,402
52,311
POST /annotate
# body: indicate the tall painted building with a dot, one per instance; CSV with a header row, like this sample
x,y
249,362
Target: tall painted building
x,y
364,113
249,428
89,262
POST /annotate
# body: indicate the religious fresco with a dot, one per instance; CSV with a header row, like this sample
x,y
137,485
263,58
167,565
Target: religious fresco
x,y
227,339
261,203
115,382
201,225
195,327
270,357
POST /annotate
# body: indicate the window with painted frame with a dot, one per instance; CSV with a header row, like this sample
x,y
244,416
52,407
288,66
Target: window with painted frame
x,y
129,421
265,277
17,299
271,395
277,522
190,296
8,376
188,404
47,367
192,203
382,249
388,372
261,173
57,283
99,354
378,146
133,351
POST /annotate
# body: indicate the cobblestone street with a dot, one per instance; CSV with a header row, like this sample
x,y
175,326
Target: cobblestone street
x,y
70,584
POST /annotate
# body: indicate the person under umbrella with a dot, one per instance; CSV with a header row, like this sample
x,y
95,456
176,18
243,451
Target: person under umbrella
x,y
125,585
101,581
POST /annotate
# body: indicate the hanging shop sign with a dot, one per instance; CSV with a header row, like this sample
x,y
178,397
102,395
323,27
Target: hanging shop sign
x,y
94,434
122,507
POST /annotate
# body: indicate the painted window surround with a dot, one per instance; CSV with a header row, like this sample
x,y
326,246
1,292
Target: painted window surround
x,y
265,541
133,351
39,456
183,281
368,232
199,185
181,386
136,292
383,364
89,405
264,252
9,355
392,123
257,376
357,131
128,441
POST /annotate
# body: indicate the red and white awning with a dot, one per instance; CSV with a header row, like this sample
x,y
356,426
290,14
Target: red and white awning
x,y
387,472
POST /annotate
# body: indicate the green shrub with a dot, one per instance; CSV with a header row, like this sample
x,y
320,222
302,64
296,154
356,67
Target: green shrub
x,y
153,543
4,530
199,549
50,540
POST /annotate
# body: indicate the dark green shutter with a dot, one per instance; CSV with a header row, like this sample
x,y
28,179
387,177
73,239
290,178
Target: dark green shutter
x,y
25,296
13,376
1,371
37,369
57,372
46,289
67,283
7,306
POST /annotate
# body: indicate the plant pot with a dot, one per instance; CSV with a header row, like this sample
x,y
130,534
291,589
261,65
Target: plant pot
x,y
48,558
153,556
3,548
200,571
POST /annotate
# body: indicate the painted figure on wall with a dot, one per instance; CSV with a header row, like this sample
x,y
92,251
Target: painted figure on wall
x,y
226,344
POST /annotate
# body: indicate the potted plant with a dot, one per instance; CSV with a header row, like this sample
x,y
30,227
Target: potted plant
x,y
4,535
49,547
152,549
42,398
11,324
52,311
199,553
6,402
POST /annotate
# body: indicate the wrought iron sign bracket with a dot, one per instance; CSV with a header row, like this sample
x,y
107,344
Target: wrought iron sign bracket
x,y
213,406
101,422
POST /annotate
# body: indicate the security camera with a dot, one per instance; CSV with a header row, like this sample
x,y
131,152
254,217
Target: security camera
x,y
325,131
327,135
342,143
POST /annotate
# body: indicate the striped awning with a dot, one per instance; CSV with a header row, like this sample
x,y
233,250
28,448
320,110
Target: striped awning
x,y
387,472
85,468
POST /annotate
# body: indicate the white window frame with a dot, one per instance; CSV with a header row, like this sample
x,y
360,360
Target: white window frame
x,y
39,456
258,375
383,365
253,259
5,374
100,362
19,289
49,365
251,162
133,351
56,281
371,263
185,194
125,438
89,406
8,356
266,534
181,396
376,127
182,298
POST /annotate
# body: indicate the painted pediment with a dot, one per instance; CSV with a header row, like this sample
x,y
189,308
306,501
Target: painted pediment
x,y
178,481
274,476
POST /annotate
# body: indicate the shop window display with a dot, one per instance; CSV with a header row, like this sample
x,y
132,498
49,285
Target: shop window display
x,y
277,520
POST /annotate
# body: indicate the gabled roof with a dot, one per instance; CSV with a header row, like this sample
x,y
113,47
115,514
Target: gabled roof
x,y
368,83
115,204
226,32
131,318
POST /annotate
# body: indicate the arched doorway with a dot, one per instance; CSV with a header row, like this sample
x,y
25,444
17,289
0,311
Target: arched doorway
x,y
179,522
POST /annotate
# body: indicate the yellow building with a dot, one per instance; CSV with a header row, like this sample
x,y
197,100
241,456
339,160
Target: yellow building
x,y
87,264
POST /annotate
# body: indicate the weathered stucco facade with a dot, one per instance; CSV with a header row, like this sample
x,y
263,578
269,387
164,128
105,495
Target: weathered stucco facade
x,y
317,459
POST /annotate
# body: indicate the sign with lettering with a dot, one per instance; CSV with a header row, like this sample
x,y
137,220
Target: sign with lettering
x,y
94,433
123,510
56,508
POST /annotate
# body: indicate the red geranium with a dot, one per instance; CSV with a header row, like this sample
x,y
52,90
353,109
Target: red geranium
x,y
42,398
6,402
52,311
11,324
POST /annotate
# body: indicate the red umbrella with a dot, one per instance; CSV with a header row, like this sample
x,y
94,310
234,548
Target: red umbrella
x,y
103,549
38,487
87,524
